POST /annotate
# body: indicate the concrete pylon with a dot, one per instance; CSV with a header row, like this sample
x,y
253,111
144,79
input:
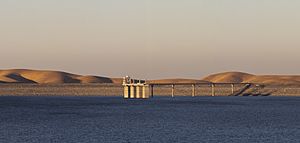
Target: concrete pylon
x,y
144,92
193,90
126,92
138,92
213,92
132,91
173,90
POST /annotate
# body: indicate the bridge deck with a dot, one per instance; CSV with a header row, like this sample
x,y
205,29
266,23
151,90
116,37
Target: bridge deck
x,y
199,83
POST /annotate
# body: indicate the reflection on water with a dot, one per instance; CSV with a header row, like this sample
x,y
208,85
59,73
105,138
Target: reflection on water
x,y
162,119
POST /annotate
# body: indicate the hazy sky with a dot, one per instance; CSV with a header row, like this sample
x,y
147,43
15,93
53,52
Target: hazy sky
x,y
151,38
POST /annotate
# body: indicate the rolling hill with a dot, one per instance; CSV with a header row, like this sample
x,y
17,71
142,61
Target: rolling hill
x,y
49,77
240,77
58,77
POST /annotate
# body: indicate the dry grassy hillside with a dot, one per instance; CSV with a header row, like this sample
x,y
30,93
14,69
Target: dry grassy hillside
x,y
235,77
57,77
49,77
239,77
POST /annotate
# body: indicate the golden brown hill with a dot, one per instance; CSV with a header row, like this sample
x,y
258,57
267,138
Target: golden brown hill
x,y
229,77
276,79
239,77
57,77
49,77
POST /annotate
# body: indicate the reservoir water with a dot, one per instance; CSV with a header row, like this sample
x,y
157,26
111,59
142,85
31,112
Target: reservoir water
x,y
161,119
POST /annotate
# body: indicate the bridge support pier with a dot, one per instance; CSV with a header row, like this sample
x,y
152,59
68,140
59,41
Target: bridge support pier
x,y
213,93
152,91
193,91
232,89
173,90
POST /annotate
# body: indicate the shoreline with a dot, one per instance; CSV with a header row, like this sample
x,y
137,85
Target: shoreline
x,y
117,90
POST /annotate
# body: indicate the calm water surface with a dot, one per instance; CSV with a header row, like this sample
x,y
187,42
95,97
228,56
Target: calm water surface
x,y
162,119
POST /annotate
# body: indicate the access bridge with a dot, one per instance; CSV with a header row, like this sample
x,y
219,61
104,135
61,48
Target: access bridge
x,y
140,89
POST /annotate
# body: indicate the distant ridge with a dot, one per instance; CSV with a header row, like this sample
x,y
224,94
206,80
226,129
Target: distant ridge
x,y
49,77
240,77
58,77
